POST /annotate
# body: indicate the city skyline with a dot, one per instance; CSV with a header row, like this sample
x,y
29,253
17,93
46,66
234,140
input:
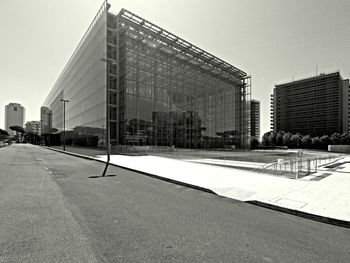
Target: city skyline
x,y
274,41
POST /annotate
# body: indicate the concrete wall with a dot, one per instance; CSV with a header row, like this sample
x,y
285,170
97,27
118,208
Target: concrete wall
x,y
339,148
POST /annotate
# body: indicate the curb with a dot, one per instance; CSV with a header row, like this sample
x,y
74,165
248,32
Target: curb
x,y
322,219
134,170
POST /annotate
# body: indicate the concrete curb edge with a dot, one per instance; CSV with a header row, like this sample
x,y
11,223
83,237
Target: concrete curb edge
x,y
319,218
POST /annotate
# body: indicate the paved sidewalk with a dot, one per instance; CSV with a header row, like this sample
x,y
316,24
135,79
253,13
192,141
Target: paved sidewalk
x,y
328,196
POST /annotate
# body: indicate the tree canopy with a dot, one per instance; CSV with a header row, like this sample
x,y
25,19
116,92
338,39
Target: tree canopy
x,y
297,140
18,129
3,133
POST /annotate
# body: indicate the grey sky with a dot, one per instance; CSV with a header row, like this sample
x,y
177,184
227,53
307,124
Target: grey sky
x,y
271,40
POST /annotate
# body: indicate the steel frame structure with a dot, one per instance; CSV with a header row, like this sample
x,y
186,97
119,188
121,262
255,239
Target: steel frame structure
x,y
174,47
178,47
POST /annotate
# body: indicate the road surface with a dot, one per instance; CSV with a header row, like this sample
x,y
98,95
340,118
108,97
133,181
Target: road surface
x,y
55,208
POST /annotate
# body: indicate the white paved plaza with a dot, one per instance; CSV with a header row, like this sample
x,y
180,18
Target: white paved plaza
x,y
328,197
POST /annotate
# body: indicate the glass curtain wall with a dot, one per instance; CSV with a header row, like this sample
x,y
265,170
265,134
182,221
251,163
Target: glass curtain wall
x,y
164,100
83,83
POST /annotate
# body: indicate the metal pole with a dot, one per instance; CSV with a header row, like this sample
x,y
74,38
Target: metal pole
x,y
41,130
50,120
64,123
316,165
107,118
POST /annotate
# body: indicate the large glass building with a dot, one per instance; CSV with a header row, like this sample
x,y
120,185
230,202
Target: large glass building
x,y
150,87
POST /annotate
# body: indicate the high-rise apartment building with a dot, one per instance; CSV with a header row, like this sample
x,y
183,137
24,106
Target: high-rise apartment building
x,y
150,87
14,115
317,106
33,127
45,119
255,119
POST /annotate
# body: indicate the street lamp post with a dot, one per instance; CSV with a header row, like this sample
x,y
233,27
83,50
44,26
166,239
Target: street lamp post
x,y
108,139
49,131
64,123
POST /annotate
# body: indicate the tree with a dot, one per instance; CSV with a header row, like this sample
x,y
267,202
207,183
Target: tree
x,y
265,139
325,141
336,138
279,138
272,139
316,142
19,131
306,141
286,139
3,134
295,140
254,143
345,139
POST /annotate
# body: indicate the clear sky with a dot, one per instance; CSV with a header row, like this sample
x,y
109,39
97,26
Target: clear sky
x,y
274,41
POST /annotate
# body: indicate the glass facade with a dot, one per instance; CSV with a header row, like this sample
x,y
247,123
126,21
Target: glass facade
x,y
162,91
174,94
83,83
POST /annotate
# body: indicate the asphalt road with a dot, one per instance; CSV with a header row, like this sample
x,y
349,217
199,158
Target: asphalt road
x,y
52,209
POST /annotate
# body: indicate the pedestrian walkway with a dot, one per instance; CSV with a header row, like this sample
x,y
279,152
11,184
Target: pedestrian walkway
x,y
324,194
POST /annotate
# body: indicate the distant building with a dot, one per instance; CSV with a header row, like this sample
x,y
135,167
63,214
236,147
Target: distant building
x,y
255,119
14,115
317,106
46,120
33,127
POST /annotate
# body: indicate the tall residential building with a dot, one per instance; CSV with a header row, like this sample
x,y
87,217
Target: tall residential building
x,y
45,119
14,115
162,90
317,106
255,119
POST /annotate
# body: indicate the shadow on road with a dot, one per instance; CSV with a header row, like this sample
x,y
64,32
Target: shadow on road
x,y
99,176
